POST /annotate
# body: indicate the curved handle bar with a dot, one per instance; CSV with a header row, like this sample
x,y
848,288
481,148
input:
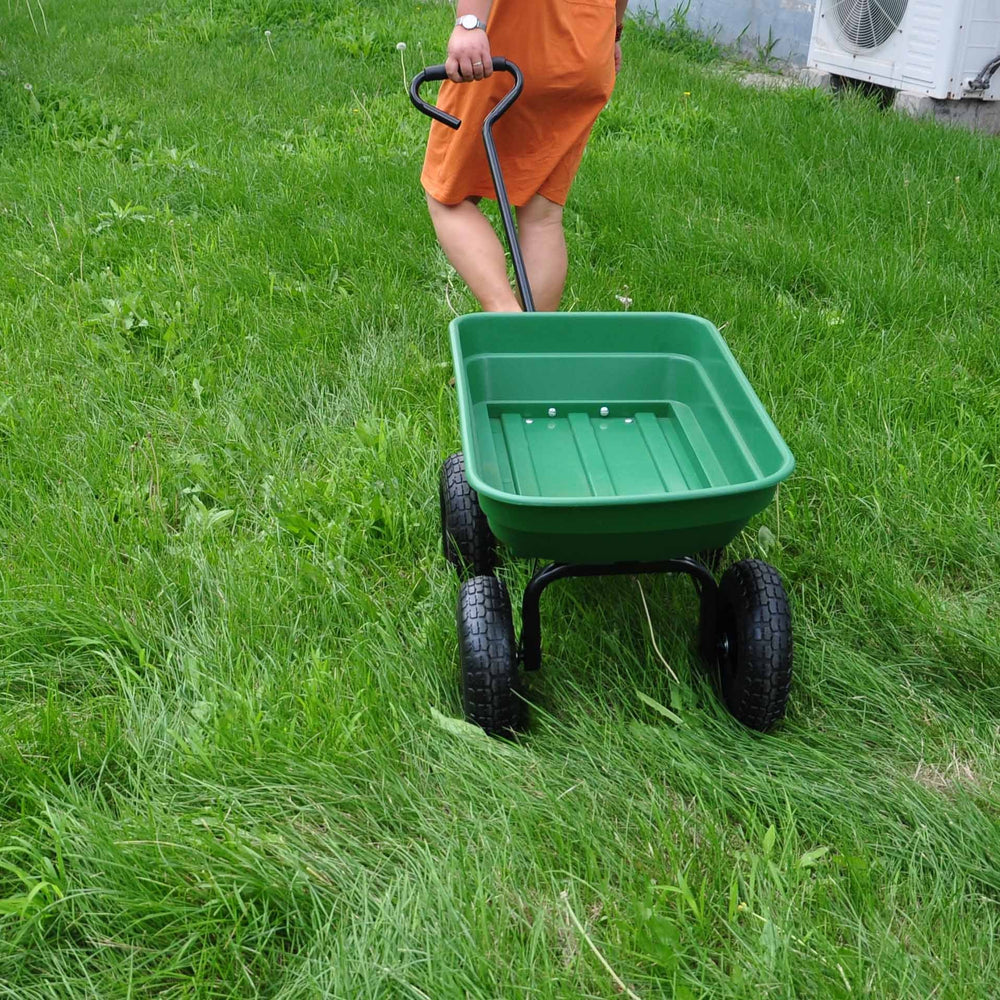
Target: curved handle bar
x,y
435,73
510,229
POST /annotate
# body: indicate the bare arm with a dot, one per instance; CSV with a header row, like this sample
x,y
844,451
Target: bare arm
x,y
620,7
469,51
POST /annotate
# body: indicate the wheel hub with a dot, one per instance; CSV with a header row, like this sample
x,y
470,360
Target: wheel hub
x,y
723,647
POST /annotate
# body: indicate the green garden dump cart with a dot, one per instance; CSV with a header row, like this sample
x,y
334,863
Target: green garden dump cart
x,y
605,444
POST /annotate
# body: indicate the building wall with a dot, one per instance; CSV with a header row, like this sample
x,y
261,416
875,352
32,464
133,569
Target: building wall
x,y
790,22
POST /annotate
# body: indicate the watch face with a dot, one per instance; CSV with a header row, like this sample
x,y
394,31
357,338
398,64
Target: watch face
x,y
468,21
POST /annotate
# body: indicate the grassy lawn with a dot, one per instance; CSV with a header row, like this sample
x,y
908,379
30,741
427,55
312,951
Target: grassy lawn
x,y
228,668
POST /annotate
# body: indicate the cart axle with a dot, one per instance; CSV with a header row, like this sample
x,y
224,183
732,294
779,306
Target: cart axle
x,y
530,645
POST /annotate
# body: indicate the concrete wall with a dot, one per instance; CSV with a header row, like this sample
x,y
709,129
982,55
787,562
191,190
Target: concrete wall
x,y
790,21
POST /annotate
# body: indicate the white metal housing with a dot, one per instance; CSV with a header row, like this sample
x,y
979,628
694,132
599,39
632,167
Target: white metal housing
x,y
929,47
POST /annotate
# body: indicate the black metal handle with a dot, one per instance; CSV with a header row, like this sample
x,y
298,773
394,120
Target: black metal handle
x,y
437,73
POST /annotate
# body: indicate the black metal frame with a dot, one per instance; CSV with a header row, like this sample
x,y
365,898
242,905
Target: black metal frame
x,y
529,647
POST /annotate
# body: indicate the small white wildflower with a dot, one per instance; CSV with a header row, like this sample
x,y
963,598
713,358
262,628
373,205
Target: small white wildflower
x,y
27,86
401,48
624,300
267,34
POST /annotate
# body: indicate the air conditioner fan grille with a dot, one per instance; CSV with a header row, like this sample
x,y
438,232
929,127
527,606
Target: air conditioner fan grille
x,y
867,24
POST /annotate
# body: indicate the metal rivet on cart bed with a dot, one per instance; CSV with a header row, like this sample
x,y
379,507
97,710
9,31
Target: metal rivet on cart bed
x,y
628,420
604,411
528,420
552,411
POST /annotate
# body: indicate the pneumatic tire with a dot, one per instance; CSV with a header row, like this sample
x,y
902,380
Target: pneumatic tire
x,y
754,636
488,656
466,538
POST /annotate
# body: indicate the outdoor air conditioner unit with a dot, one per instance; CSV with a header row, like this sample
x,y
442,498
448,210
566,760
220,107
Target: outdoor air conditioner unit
x,y
946,49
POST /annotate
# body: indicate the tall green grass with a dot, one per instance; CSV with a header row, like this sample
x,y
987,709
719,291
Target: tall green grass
x,y
228,685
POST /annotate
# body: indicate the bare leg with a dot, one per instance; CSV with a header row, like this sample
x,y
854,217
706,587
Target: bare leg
x,y
471,245
543,245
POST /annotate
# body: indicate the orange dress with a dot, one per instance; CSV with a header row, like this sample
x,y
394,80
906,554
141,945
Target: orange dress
x,y
565,48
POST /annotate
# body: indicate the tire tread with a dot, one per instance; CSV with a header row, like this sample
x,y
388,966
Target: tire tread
x,y
467,540
488,656
756,690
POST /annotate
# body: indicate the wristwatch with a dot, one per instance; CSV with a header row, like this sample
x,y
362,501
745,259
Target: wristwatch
x,y
470,22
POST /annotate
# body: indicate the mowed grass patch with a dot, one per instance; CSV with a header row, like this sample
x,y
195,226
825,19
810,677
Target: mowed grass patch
x,y
231,756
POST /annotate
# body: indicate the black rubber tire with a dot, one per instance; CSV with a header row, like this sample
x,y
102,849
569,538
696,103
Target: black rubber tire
x,y
754,634
466,538
488,656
